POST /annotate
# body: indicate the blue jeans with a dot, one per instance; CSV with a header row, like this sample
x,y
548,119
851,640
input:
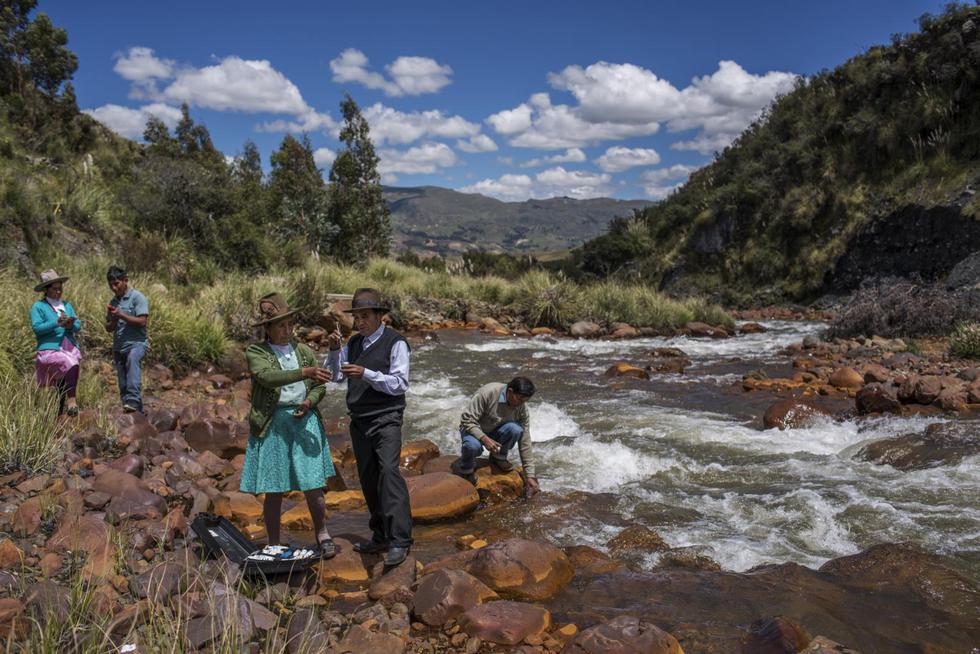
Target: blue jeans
x,y
506,434
129,374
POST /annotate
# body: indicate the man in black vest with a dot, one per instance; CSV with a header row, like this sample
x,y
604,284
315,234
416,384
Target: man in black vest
x,y
375,363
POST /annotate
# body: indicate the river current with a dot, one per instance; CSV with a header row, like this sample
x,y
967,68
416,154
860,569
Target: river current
x,y
685,454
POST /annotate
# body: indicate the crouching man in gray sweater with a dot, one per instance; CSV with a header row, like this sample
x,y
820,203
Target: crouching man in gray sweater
x,y
496,419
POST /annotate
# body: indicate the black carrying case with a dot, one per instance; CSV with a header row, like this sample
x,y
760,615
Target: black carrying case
x,y
220,537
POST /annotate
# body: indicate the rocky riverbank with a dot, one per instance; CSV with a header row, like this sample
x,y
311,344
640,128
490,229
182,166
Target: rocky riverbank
x,y
108,528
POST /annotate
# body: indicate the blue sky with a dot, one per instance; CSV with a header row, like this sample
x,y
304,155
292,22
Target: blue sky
x,y
510,99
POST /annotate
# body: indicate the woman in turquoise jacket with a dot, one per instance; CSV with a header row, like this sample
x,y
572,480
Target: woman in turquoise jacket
x,y
56,328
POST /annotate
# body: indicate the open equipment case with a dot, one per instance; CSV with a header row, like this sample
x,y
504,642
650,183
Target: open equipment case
x,y
220,537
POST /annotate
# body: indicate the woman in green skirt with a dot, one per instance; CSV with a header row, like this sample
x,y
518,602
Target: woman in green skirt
x,y
287,449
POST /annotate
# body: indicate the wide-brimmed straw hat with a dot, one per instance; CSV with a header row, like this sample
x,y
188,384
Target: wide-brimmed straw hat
x,y
367,298
272,308
48,277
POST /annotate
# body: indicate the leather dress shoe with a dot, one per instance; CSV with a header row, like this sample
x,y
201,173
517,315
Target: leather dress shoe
x,y
395,556
370,547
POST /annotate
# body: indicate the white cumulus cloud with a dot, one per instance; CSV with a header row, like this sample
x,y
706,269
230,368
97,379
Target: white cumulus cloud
x,y
425,158
618,101
512,188
324,157
399,128
140,63
237,84
311,121
571,155
407,75
618,159
129,122
478,143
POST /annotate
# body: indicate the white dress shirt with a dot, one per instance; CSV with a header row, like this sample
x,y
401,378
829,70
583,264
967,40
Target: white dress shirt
x,y
394,383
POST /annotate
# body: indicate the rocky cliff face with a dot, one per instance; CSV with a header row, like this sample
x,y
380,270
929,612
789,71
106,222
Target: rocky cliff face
x,y
912,241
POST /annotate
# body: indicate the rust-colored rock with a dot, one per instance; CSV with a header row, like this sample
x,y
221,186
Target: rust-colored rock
x,y
27,518
751,328
415,454
585,329
347,567
938,444
777,635
239,507
360,640
11,556
440,495
704,330
504,622
927,389
514,568
13,619
877,398
216,435
624,634
88,534
874,372
793,413
386,580
444,595
498,487
622,369
590,561
623,330
636,538
952,398
846,377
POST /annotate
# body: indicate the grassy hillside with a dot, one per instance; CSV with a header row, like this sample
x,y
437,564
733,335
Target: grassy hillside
x,y
894,128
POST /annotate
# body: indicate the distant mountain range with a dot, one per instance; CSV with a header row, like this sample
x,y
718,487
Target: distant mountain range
x,y
430,219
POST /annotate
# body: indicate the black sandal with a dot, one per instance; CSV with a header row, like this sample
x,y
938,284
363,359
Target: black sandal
x,y
72,412
328,548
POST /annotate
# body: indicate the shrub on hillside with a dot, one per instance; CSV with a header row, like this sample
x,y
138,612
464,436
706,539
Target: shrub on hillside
x,y
965,341
898,307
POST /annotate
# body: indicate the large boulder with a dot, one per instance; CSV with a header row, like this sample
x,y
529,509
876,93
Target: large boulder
x,y
514,568
222,437
89,534
585,329
904,569
623,634
346,567
131,497
446,594
877,398
361,640
440,495
793,413
504,622
945,443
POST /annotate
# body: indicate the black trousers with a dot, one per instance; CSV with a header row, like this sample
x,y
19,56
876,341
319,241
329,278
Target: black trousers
x,y
377,443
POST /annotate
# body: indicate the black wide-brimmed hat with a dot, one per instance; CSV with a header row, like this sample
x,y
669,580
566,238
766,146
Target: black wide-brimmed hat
x,y
48,277
272,308
367,298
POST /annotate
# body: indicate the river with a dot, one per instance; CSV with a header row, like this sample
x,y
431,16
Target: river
x,y
685,454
